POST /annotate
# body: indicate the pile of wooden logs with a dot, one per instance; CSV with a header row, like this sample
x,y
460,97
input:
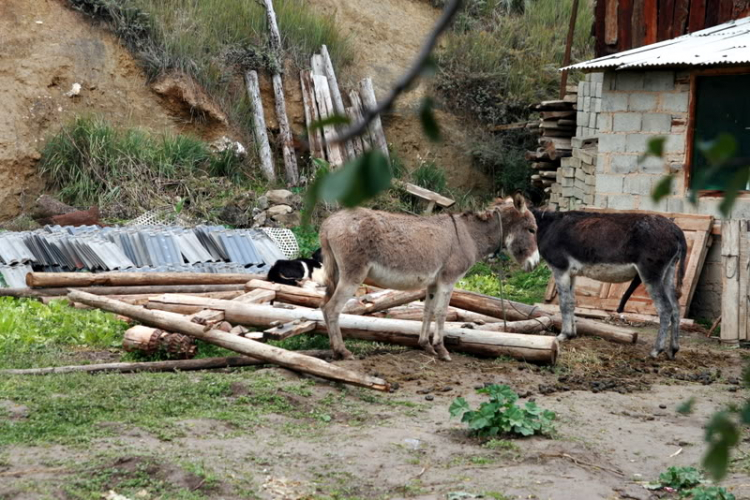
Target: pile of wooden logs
x,y
244,318
557,126
323,99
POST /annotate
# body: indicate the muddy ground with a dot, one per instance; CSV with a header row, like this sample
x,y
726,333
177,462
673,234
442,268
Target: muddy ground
x,y
616,427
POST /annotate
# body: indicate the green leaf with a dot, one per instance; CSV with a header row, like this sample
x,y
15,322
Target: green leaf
x,y
738,182
719,150
654,147
686,408
663,188
710,493
721,434
427,117
331,120
458,407
681,477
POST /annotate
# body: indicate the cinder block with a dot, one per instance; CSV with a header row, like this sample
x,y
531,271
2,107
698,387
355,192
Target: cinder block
x,y
605,122
630,80
675,205
567,171
606,183
589,169
581,175
552,206
586,88
609,82
588,199
646,203
627,122
581,116
566,162
621,202
675,102
590,180
675,144
575,162
642,101
612,143
601,200
614,101
599,88
579,131
636,143
567,182
592,120
597,104
659,81
658,123
624,164
595,77
652,165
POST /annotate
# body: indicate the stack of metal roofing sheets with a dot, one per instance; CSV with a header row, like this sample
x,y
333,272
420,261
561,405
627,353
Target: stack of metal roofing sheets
x,y
213,249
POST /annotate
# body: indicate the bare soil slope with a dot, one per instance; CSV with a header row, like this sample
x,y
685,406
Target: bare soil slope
x,y
44,49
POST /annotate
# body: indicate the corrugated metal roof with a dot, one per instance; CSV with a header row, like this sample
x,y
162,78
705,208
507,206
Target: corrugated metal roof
x,y
725,44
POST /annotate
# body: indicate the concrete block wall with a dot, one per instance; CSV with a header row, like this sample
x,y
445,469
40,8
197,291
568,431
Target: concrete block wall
x,y
575,185
589,105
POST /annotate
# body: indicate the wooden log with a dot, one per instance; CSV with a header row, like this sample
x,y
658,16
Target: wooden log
x,y
402,332
535,325
357,147
69,280
325,106
546,115
312,115
413,313
270,354
587,312
516,311
731,272
157,366
356,101
367,93
118,290
291,329
285,134
338,102
143,299
382,300
149,340
287,293
257,296
259,125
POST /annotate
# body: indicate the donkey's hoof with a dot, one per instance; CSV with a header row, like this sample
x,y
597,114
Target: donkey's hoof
x,y
427,347
562,337
655,353
672,353
442,353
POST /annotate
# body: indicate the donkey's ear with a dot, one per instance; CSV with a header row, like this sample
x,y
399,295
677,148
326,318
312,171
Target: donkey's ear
x,y
519,202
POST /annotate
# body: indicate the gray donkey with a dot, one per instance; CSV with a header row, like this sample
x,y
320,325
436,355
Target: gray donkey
x,y
407,252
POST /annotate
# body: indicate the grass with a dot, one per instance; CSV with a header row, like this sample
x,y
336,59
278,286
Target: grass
x,y
129,170
214,41
496,61
528,288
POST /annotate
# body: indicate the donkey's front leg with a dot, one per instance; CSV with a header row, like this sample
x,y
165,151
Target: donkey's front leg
x,y
331,312
441,307
429,310
565,283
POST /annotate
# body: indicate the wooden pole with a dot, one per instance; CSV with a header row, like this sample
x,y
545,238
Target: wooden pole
x,y
367,92
39,280
119,290
338,102
156,366
325,106
356,101
259,125
516,311
312,115
285,133
270,354
730,296
568,47
403,332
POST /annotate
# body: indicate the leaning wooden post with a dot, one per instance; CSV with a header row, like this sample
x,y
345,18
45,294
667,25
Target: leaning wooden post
x,y
259,125
270,354
338,102
312,115
367,91
290,159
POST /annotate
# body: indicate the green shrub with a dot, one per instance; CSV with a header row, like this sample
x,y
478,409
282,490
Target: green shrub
x,y
710,493
502,157
681,477
91,162
430,176
500,415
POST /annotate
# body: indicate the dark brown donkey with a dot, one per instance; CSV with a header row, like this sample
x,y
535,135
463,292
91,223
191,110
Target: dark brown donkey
x,y
409,253
614,248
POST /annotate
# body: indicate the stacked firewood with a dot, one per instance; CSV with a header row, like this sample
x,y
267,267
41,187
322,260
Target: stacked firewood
x,y
556,127
262,311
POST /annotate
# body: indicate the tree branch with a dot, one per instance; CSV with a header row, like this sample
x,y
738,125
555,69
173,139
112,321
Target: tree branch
x,y
407,78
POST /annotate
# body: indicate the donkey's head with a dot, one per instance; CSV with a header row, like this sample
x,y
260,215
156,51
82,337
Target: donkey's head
x,y
519,231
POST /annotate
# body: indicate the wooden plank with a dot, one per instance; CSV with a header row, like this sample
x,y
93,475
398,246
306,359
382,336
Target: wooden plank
x,y
730,259
712,13
338,102
744,309
285,133
650,21
367,93
624,27
697,18
638,25
679,26
666,14
356,101
610,22
312,115
291,329
428,195
356,143
725,14
600,9
606,296
259,125
334,152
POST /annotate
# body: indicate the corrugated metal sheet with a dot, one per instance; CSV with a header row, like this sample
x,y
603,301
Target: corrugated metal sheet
x,y
212,249
725,44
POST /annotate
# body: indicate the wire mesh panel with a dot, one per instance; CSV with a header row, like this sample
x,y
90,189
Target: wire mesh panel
x,y
285,240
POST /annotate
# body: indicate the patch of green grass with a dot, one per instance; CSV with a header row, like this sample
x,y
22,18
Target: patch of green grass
x,y
497,495
29,328
520,286
430,175
307,239
502,445
129,170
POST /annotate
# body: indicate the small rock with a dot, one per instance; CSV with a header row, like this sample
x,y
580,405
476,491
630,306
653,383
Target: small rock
x,y
663,406
733,380
477,387
733,388
263,202
413,443
447,388
277,210
280,197
259,219
288,220
423,391
74,91
394,386
429,397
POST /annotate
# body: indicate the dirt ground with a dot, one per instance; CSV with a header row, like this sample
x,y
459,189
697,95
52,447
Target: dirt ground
x,y
616,428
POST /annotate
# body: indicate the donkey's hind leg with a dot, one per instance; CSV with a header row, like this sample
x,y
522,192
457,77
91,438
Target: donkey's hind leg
x,y
441,307
671,293
332,311
429,312
664,309
565,290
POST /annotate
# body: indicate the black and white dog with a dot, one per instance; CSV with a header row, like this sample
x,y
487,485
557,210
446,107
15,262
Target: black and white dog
x,y
290,272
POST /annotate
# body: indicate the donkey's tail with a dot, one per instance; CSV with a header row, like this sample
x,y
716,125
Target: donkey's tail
x,y
330,267
682,255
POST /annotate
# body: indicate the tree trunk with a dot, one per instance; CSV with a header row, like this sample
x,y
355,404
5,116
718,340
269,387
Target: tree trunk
x,y
516,311
38,280
529,347
367,93
271,354
259,126
157,366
